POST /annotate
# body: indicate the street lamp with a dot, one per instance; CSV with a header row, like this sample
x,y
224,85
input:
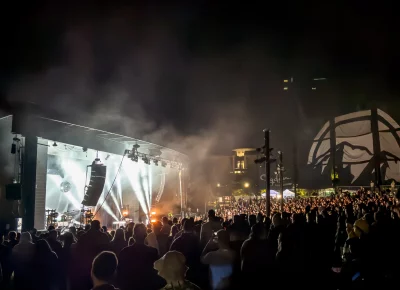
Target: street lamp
x,y
218,185
247,185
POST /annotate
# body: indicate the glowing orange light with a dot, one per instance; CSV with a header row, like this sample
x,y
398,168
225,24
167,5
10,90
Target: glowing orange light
x,y
153,212
153,221
125,213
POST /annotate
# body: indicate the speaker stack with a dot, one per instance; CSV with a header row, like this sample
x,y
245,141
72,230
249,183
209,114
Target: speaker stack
x,y
96,185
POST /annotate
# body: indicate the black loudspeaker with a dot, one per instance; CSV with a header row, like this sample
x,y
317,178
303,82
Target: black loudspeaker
x,y
96,185
13,191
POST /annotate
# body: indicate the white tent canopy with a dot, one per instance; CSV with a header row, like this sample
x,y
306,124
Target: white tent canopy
x,y
273,193
286,193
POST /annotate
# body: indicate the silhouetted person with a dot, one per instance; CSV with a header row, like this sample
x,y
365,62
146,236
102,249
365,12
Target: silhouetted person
x,y
65,258
221,261
103,271
188,244
5,263
118,242
45,270
22,258
12,240
54,244
135,267
207,229
89,245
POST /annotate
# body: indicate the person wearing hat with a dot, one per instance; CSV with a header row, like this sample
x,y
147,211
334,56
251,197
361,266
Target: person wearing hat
x,y
172,267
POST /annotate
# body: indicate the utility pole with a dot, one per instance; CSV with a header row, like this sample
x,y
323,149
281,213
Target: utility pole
x,y
281,169
267,174
267,160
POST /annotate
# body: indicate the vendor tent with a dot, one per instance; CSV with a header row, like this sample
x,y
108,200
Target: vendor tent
x,y
288,193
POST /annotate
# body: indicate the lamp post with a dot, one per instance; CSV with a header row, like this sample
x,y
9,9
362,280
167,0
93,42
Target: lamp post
x,y
267,160
280,170
267,174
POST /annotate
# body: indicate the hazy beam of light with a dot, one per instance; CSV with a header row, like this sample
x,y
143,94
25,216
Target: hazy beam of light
x,y
77,175
180,188
113,195
119,191
161,188
107,208
105,205
144,181
131,169
150,180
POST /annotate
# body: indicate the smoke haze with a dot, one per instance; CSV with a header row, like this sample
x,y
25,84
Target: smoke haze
x,y
194,78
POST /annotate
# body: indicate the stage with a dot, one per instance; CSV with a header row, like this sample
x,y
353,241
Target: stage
x,y
56,159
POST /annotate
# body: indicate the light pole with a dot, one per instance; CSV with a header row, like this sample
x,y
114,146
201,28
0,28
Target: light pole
x,y
280,170
267,174
267,160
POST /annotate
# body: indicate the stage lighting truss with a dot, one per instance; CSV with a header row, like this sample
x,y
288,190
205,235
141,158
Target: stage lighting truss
x,y
134,155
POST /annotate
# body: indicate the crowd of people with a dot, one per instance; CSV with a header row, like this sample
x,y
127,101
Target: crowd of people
x,y
339,242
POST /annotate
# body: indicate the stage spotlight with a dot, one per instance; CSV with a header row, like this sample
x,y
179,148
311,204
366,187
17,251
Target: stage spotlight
x,y
96,161
163,164
155,162
54,144
146,160
65,186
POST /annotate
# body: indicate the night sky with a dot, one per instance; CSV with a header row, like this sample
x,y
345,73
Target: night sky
x,y
171,72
